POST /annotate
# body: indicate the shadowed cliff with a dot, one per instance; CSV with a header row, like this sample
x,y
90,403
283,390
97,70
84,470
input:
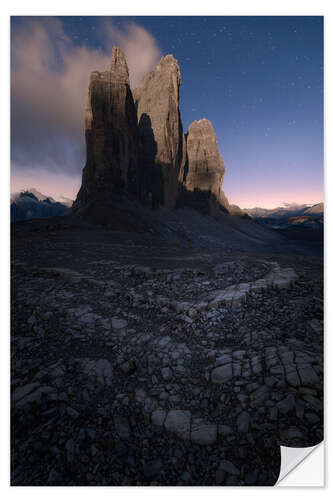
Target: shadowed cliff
x,y
136,147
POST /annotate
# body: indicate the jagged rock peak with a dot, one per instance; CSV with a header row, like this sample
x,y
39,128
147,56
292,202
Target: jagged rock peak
x,y
169,63
119,68
136,145
161,132
202,141
202,124
111,136
205,172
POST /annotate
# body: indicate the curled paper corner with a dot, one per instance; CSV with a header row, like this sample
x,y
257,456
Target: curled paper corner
x,y
302,466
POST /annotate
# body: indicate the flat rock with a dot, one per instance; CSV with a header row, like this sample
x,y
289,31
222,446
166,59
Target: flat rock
x,y
166,373
259,395
158,417
118,323
122,427
203,433
178,422
286,405
229,467
243,422
100,369
36,395
22,391
308,376
222,374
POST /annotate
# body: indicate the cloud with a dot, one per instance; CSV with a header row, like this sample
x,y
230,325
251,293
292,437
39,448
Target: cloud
x,y
49,81
139,48
292,204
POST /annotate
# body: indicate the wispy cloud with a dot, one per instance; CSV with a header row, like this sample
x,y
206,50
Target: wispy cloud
x,y
49,80
139,46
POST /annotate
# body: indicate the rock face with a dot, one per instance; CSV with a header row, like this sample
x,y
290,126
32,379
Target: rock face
x,y
204,172
111,135
136,145
161,132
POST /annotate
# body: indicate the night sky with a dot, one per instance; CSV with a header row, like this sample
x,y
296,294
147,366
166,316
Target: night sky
x,y
259,80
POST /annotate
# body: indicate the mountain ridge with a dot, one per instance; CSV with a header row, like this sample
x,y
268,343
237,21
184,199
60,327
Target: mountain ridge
x,y
31,204
288,210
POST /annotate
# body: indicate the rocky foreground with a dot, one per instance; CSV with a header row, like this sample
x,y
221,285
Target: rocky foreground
x,y
139,361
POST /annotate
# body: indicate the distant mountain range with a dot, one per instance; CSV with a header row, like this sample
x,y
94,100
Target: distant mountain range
x,y
288,210
296,221
31,204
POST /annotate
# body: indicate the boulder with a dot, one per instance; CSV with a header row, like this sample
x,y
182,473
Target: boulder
x,y
243,422
158,417
178,422
203,433
222,374
229,467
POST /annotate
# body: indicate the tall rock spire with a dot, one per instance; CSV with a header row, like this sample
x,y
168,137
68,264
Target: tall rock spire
x,y
118,68
111,135
204,173
136,145
161,131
